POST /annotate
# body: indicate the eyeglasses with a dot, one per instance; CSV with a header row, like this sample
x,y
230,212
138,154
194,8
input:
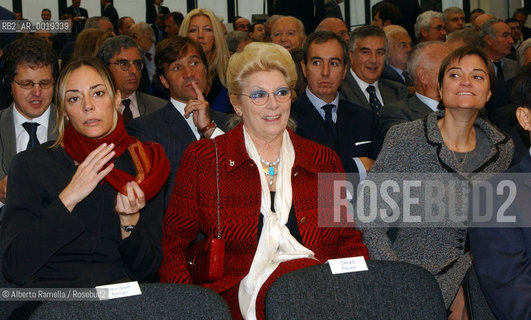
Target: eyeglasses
x,y
28,84
260,97
126,64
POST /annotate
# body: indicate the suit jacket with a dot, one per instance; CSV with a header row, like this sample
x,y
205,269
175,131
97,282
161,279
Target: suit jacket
x,y
391,74
110,12
168,127
151,13
77,27
391,91
418,147
510,68
358,130
148,103
332,9
193,207
400,111
8,140
502,255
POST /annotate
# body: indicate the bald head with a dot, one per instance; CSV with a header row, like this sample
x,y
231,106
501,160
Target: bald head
x,y
336,26
481,19
423,67
288,32
399,44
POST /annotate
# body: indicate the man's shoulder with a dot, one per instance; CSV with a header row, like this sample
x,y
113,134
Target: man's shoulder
x,y
155,102
155,118
355,110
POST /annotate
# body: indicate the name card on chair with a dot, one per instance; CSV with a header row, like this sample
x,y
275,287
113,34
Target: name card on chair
x,y
346,265
118,290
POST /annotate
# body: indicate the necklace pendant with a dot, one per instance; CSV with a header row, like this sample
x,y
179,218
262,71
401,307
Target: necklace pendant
x,y
271,171
271,181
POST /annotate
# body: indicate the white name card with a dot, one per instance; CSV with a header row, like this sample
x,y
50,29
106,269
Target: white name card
x,y
118,290
346,265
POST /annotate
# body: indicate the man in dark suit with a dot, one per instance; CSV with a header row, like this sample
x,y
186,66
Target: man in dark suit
x,y
79,17
423,66
399,43
362,85
30,69
496,39
182,68
350,130
110,12
124,59
502,251
153,9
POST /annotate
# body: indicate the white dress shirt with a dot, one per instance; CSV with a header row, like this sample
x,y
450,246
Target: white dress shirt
x,y
363,86
133,105
22,135
318,105
180,107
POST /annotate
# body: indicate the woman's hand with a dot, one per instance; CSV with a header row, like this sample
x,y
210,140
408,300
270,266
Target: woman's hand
x,y
131,203
88,174
128,206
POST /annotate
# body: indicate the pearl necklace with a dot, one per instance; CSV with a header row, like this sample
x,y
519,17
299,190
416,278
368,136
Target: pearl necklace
x,y
270,168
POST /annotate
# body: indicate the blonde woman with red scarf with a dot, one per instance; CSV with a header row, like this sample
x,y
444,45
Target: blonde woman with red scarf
x,y
85,211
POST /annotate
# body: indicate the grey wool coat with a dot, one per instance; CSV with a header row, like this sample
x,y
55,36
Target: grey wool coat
x,y
417,147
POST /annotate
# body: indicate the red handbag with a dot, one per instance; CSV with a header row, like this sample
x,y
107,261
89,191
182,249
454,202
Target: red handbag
x,y
206,257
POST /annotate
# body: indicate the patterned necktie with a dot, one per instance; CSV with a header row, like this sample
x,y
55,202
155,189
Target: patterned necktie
x,y
31,128
127,113
376,105
328,119
499,70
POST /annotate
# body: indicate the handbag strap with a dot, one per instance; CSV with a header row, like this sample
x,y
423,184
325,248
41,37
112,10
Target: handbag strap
x,y
217,187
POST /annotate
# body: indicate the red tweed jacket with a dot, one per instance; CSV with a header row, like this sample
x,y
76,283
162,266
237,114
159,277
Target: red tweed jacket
x,y
192,207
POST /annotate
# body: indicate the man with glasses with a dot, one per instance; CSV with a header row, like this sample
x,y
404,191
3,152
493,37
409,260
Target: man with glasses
x,y
182,69
30,68
125,61
430,27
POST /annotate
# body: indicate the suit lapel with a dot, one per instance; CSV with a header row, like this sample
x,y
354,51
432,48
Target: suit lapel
x,y
385,91
417,107
140,103
311,122
52,121
7,132
178,124
354,93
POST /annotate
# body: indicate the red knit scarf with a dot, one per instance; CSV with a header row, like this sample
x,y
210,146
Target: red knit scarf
x,y
152,165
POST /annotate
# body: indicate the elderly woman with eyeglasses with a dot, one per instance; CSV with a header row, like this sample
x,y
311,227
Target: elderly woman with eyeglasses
x,y
268,190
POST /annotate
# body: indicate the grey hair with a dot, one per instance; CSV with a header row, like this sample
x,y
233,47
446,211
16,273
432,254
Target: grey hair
x,y
234,38
521,50
94,22
467,35
146,26
449,11
364,32
418,57
424,20
114,45
487,29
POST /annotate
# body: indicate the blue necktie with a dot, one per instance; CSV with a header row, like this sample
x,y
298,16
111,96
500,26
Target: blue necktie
x,y
31,128
328,119
376,105
499,70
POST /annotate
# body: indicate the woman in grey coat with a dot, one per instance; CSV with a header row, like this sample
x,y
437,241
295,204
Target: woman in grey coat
x,y
454,142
